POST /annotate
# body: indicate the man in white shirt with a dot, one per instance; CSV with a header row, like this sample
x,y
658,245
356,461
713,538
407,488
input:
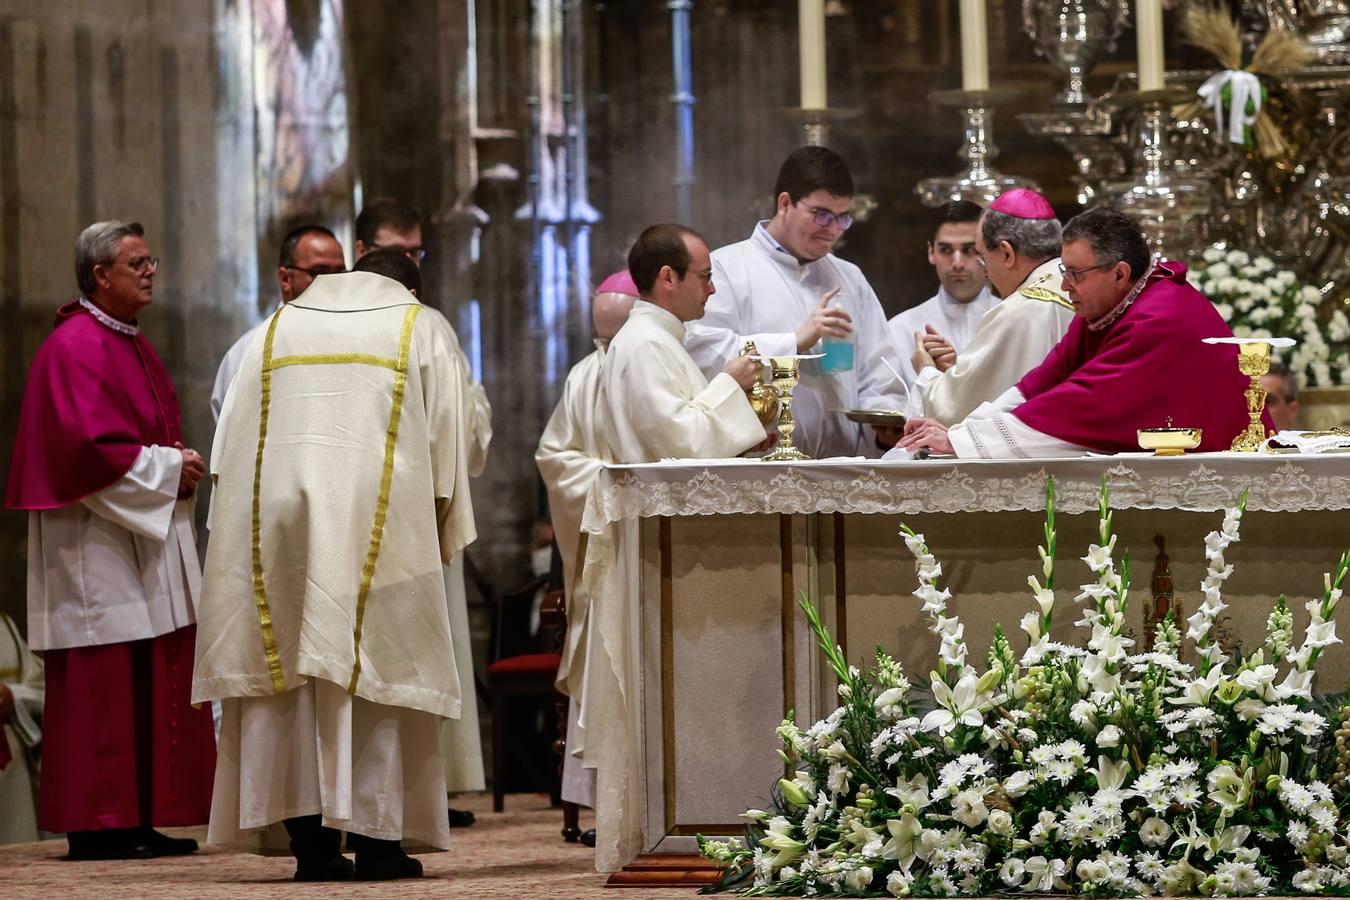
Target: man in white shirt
x,y
785,290
963,296
571,453
1018,240
307,252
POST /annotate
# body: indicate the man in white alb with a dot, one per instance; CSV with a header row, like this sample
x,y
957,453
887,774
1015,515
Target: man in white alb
x,y
654,403
323,622
785,290
307,252
963,296
571,452
1018,239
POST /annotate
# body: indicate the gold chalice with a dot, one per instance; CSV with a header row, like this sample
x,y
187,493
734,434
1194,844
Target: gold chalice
x,y
1253,361
785,371
1169,441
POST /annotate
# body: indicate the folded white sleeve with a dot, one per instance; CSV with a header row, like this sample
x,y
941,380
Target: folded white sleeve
x,y
142,501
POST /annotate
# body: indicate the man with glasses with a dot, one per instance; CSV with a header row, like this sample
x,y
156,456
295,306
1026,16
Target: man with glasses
x,y
1133,358
786,291
389,224
1018,241
386,223
307,252
113,576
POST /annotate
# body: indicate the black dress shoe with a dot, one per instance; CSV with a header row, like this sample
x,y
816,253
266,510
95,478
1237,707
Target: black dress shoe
x,y
461,818
588,837
378,860
111,843
163,845
317,850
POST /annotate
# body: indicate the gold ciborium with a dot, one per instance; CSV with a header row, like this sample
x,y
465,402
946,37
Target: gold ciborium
x,y
785,371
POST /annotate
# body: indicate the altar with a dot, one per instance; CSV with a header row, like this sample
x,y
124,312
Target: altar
x,y
717,554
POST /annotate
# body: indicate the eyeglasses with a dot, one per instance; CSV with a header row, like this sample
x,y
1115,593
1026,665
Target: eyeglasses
x,y
1077,275
143,264
315,273
824,218
416,254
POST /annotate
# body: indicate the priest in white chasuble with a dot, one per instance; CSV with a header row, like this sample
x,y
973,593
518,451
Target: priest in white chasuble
x,y
341,490
784,289
1133,358
654,403
22,688
571,453
113,576
1018,239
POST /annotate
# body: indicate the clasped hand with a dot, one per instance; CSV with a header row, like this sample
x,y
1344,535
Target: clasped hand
x,y
194,469
932,349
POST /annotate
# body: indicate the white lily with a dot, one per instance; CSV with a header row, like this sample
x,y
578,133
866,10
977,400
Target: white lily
x,y
905,843
959,705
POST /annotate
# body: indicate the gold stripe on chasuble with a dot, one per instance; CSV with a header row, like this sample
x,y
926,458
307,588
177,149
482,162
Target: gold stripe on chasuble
x,y
259,588
336,359
386,482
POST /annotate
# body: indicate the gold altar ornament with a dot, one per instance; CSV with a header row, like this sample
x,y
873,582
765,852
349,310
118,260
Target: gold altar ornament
x,y
1169,441
763,398
786,370
1253,361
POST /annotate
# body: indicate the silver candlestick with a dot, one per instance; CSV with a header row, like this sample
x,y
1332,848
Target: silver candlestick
x,y
979,182
1162,199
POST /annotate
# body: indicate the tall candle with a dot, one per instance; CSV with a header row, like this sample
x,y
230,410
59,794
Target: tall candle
x,y
1148,28
811,37
974,46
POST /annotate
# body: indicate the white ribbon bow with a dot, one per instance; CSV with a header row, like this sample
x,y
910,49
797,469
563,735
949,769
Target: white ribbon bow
x,y
1244,87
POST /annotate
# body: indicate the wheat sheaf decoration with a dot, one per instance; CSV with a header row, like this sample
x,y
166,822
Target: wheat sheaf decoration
x,y
1238,94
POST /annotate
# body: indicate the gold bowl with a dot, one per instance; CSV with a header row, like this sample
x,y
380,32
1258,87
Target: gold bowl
x,y
1169,441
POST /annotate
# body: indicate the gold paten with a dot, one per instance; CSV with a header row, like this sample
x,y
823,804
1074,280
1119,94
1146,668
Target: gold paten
x,y
1169,441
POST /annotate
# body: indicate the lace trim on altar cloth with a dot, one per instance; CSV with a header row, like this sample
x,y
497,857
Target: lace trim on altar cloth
x,y
1109,319
1208,484
108,321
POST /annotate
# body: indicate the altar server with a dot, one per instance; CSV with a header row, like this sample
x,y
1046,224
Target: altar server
x,y
324,626
1133,358
571,452
21,690
1018,240
785,290
963,296
113,576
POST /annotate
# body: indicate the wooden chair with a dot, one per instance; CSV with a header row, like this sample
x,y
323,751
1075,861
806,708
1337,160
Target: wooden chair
x,y
528,674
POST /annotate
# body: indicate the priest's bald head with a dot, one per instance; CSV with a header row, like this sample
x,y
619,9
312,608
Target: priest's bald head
x,y
672,268
1017,233
614,299
1105,256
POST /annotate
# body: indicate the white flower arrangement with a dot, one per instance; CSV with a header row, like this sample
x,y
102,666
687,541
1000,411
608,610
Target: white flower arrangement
x,y
1096,771
1258,300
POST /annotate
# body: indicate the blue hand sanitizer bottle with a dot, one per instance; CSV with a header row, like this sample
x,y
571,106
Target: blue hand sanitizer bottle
x,y
838,353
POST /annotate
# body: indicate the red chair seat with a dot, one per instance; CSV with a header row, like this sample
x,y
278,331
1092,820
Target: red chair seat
x,y
526,664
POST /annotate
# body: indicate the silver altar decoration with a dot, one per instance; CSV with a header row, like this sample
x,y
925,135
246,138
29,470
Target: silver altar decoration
x,y
1139,154
979,182
1071,34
